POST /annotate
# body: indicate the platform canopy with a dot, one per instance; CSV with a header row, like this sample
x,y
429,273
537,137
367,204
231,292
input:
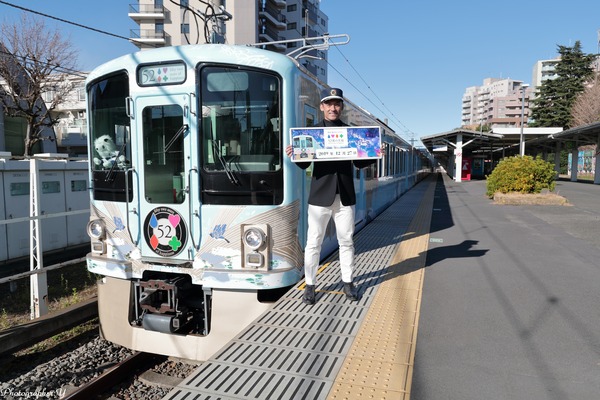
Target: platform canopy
x,y
449,148
583,135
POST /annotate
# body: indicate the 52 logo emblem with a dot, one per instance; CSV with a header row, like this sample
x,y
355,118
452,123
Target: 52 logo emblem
x,y
165,232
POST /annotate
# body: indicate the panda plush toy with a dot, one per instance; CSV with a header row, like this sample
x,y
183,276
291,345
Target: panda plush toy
x,y
108,154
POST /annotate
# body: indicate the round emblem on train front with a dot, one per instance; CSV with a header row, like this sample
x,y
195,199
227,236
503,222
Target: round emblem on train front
x,y
165,232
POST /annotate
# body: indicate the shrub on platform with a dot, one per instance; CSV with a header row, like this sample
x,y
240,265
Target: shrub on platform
x,y
522,175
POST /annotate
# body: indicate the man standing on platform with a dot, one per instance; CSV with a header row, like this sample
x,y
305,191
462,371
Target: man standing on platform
x,y
331,194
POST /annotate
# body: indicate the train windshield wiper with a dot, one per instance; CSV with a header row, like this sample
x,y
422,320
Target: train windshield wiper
x,y
217,151
109,174
183,128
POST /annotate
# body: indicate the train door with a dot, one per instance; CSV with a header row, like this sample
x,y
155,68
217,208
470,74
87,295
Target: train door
x,y
163,165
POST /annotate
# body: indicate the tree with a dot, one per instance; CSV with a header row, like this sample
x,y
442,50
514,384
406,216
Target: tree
x,y
586,108
33,59
555,98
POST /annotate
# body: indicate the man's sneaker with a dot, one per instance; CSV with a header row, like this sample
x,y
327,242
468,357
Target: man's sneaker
x,y
309,295
350,291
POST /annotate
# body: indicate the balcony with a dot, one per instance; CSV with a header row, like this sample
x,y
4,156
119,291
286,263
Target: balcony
x,y
311,68
72,136
277,47
269,34
311,33
310,11
279,3
148,37
142,12
272,17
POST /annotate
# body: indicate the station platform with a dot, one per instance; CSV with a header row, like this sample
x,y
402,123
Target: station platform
x,y
509,309
335,349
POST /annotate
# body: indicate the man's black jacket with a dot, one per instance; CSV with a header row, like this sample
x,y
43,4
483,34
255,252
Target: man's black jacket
x,y
332,177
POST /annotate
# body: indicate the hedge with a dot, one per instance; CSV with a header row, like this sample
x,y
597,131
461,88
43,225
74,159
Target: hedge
x,y
521,174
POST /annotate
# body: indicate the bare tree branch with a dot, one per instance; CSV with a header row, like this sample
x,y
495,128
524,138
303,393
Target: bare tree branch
x,y
586,108
33,59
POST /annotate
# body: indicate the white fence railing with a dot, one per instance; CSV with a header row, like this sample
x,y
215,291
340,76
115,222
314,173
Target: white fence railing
x,y
54,188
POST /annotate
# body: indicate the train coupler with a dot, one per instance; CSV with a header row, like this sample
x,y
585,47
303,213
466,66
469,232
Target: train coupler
x,y
170,306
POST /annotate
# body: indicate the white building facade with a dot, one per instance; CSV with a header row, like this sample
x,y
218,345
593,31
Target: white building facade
x,y
544,70
496,103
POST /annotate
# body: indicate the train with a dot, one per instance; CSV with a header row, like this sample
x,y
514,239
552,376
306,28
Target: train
x,y
198,218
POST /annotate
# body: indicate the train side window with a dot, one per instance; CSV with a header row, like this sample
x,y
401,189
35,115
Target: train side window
x,y
310,119
310,115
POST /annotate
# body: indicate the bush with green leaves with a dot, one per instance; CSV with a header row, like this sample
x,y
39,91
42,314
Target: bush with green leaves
x,y
521,174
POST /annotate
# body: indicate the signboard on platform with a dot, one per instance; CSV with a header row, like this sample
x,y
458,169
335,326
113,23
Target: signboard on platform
x,y
336,143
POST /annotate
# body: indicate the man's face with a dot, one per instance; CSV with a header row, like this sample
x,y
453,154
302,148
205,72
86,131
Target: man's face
x,y
332,109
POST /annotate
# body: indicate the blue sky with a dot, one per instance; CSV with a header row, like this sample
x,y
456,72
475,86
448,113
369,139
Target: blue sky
x,y
409,62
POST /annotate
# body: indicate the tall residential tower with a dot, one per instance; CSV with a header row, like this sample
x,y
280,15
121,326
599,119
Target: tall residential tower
x,y
498,102
171,23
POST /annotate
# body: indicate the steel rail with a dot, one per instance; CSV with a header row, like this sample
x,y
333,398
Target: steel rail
x,y
111,377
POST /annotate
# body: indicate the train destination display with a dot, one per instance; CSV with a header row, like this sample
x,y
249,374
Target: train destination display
x,y
336,143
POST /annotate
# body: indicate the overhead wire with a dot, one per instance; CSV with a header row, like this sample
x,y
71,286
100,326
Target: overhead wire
x,y
63,69
68,22
186,9
208,15
395,119
58,68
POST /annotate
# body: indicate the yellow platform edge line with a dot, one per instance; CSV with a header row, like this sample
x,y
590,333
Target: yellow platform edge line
x,y
357,378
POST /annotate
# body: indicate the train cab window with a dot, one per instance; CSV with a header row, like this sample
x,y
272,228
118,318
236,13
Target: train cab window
x,y
110,148
164,173
241,136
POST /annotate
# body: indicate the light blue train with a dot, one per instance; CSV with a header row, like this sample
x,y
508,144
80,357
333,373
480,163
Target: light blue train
x,y
198,218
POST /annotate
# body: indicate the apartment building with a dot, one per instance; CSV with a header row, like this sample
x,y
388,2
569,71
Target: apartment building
x,y
71,130
497,103
544,70
163,23
68,136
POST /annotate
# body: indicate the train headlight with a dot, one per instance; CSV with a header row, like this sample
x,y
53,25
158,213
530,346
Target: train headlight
x,y
96,229
254,238
256,246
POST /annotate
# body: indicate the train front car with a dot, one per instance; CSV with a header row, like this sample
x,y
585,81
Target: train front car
x,y
191,223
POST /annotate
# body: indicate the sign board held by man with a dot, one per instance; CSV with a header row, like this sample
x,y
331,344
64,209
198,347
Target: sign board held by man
x,y
336,143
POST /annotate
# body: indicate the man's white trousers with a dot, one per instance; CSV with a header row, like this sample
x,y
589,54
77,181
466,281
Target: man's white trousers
x,y
318,218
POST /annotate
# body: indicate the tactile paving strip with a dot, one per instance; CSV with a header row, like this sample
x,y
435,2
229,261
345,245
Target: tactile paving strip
x,y
380,362
335,348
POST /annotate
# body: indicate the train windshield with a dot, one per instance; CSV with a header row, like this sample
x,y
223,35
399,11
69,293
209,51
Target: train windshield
x,y
109,122
240,121
110,147
240,131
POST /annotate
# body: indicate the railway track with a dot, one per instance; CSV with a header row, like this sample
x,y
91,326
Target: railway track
x,y
21,336
114,376
88,367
